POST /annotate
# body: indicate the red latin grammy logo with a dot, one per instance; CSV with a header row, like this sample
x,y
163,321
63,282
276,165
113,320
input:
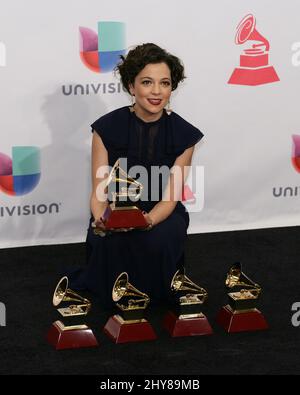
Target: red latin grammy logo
x,y
254,66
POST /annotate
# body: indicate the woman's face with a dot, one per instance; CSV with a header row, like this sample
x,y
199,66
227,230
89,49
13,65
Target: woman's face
x,y
152,90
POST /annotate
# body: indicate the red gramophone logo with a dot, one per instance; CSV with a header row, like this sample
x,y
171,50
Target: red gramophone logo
x,y
254,66
296,152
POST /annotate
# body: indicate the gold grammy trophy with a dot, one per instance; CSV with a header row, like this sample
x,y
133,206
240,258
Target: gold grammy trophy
x,y
186,318
241,313
130,325
123,212
70,334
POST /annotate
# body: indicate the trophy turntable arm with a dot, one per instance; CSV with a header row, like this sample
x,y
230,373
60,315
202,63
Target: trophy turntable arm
x,y
134,304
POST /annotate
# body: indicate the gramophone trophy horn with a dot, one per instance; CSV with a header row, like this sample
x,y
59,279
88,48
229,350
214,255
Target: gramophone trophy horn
x,y
70,333
124,192
241,313
64,294
129,298
193,293
129,325
186,317
254,62
125,186
248,290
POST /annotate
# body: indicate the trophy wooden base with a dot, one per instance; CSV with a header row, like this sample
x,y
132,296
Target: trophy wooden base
x,y
240,321
194,326
253,77
121,331
66,337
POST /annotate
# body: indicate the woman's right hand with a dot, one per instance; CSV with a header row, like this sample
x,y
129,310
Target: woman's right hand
x,y
98,223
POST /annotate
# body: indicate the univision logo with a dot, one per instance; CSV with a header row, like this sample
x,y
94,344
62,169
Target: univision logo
x,y
296,152
20,174
291,191
101,52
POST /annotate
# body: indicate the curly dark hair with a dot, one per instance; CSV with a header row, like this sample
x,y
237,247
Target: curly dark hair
x,y
138,57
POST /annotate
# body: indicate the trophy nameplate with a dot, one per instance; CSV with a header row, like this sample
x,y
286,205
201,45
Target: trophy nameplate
x,y
241,312
186,317
129,325
67,334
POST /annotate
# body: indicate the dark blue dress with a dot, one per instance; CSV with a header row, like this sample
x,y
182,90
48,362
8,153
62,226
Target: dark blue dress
x,y
149,257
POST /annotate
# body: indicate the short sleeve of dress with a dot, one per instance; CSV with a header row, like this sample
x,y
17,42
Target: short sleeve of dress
x,y
181,134
111,126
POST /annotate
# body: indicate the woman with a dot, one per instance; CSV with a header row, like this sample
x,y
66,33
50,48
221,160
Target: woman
x,y
146,134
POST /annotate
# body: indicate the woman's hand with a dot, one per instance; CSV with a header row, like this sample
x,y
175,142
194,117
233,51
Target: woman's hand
x,y
101,230
99,224
149,221
99,227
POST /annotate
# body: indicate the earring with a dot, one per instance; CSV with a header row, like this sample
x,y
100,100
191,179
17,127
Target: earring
x,y
168,109
132,103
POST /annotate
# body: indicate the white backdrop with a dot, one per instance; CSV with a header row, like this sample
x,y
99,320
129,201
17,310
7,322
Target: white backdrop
x,y
250,181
